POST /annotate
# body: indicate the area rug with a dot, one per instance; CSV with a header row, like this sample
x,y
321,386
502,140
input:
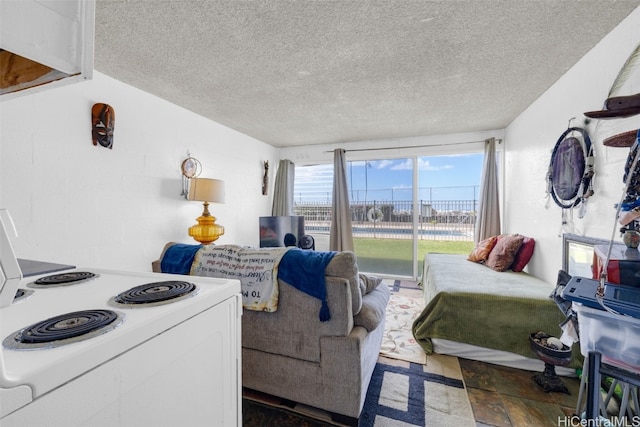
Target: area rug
x,y
411,394
405,305
400,394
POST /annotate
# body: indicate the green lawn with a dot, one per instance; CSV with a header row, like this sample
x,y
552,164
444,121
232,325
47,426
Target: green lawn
x,y
393,256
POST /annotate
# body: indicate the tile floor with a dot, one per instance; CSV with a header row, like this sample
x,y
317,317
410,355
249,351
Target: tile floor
x,y
507,397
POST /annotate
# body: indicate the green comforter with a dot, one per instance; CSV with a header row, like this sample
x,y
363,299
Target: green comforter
x,y
472,304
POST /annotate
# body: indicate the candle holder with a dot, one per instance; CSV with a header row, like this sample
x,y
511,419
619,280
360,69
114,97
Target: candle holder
x,y
552,357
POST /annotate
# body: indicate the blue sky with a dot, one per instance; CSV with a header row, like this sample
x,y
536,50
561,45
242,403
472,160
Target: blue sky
x,y
454,177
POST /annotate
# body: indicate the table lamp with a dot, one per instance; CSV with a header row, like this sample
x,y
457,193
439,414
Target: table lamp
x,y
206,190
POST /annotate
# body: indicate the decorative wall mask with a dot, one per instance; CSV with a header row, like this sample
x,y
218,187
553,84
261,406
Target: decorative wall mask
x,y
103,120
265,179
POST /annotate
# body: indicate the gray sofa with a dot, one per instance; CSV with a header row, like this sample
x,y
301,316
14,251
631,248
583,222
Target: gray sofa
x,y
328,365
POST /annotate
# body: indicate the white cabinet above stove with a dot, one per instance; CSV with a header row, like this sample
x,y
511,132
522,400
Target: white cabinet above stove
x,y
45,43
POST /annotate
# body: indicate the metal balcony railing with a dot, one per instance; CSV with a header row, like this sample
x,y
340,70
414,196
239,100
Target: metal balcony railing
x,y
437,220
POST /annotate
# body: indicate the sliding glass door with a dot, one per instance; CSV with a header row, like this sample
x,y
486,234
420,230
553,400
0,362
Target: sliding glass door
x,y
381,194
447,197
401,208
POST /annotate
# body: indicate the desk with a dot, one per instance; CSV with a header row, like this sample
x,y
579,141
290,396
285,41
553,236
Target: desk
x,y
623,267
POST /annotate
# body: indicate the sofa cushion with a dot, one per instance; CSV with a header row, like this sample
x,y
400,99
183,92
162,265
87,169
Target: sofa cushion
x,y
374,307
503,253
344,265
368,283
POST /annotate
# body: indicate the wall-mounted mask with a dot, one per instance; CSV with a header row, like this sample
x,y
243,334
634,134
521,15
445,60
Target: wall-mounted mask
x,y
103,122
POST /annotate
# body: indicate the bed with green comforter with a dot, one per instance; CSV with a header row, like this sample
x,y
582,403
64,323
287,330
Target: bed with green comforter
x,y
472,304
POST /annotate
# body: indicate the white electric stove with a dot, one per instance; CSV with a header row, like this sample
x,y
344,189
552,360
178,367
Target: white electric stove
x,y
91,347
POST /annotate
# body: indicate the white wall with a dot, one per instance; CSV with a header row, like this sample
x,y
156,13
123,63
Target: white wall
x,y
532,136
77,203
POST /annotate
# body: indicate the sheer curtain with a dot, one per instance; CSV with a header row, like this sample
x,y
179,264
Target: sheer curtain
x,y
488,219
341,237
283,189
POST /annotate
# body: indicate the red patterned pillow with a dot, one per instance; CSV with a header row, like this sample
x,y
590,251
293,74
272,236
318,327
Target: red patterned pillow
x,y
482,249
524,254
503,253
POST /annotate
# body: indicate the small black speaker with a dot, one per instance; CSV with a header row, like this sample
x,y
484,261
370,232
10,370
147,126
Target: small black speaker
x,y
289,239
307,242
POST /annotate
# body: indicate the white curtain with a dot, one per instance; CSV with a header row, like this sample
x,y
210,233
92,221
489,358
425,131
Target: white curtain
x,y
283,189
341,237
488,218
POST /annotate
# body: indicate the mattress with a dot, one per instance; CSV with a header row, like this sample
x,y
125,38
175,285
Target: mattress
x,y
496,357
487,311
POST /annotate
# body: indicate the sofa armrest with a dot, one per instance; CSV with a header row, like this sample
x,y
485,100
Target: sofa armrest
x,y
374,308
156,266
353,357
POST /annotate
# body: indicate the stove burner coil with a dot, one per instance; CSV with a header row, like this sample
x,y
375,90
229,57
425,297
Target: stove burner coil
x,y
64,278
64,329
155,293
67,326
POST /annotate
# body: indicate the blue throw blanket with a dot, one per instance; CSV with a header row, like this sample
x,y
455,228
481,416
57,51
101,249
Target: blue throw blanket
x,y
304,270
178,258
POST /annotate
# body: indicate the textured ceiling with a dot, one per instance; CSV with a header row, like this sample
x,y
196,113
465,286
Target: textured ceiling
x,y
311,71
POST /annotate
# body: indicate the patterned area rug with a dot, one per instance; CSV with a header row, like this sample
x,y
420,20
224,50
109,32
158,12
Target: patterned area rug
x,y
401,394
404,307
410,394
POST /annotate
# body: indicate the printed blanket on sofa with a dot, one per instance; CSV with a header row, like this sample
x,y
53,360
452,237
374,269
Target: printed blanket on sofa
x,y
257,270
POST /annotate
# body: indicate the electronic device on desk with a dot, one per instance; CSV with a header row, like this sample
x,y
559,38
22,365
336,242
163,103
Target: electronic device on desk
x,y
281,231
623,299
623,266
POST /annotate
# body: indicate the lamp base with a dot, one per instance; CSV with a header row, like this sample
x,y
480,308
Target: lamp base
x,y
206,231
